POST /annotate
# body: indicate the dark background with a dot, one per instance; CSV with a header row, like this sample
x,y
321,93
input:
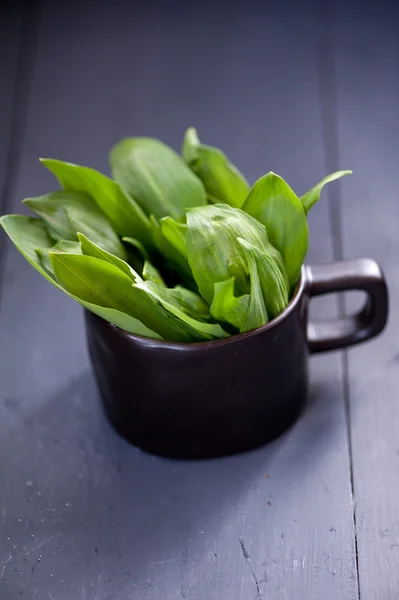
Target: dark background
x,y
298,88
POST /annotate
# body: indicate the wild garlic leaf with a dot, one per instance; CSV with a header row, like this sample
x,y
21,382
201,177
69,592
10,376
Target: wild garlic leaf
x,y
65,213
120,319
222,181
156,177
228,307
28,234
190,302
103,284
175,233
196,329
274,204
124,214
171,250
137,253
62,246
88,248
151,273
135,243
272,278
256,315
95,280
214,254
312,196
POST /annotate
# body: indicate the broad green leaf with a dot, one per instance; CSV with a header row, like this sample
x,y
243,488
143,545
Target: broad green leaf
x,y
28,234
190,302
274,204
120,319
62,246
197,329
214,253
312,196
222,181
91,249
245,312
137,253
175,233
256,315
151,273
138,246
170,251
272,277
95,280
228,307
65,213
156,177
103,284
124,214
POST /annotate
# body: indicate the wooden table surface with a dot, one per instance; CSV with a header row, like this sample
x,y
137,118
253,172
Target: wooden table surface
x,y
301,90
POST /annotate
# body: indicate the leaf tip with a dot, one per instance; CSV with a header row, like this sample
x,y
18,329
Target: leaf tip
x,y
47,162
190,145
192,133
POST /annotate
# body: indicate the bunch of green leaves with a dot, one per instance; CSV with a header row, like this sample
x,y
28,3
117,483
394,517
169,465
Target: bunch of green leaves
x,y
172,247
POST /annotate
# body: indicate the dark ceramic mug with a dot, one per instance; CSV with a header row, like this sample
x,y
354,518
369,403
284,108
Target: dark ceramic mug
x,y
217,398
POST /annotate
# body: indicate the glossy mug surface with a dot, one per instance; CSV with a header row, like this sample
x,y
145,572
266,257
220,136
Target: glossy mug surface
x,y
218,398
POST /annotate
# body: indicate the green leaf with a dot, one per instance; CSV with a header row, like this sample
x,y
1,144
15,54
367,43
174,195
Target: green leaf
x,y
214,253
29,234
95,280
222,181
65,213
246,312
271,274
138,246
228,307
256,314
91,249
197,329
62,246
156,177
101,283
312,196
120,319
151,273
137,253
124,214
274,204
175,233
190,302
170,250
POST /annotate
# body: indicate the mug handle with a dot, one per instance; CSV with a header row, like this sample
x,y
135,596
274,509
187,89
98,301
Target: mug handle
x,y
362,274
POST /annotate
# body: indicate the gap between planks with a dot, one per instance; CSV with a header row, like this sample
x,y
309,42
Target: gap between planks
x,y
329,120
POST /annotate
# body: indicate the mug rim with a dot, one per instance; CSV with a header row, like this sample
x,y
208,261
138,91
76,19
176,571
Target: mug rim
x,y
186,346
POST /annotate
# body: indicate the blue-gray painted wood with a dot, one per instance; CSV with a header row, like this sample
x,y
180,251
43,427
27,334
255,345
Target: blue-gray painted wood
x,y
83,514
367,67
12,20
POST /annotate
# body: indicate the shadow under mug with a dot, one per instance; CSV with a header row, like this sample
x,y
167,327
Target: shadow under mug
x,y
226,396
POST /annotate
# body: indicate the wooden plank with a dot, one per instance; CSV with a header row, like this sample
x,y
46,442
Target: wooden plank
x,y
83,513
367,65
11,23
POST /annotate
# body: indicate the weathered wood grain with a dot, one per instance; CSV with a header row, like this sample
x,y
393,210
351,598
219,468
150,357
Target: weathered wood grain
x,y
83,514
367,67
14,80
